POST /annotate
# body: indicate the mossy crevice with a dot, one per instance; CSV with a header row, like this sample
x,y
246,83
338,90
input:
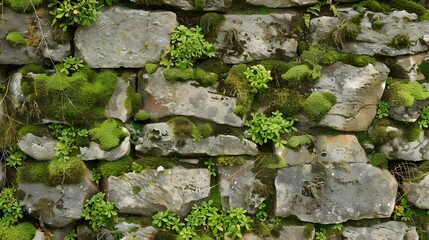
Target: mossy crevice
x,y
204,78
108,134
403,93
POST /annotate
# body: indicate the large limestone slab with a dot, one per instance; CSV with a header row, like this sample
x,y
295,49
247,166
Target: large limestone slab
x,y
39,148
389,230
122,37
38,32
257,36
146,193
333,193
159,139
280,3
358,91
57,206
162,98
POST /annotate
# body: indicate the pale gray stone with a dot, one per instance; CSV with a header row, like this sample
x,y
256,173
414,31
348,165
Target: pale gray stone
x,y
293,232
159,139
146,233
295,157
281,3
330,193
417,193
257,36
57,206
389,230
39,235
406,67
148,192
162,98
358,91
340,149
15,93
116,106
39,148
122,37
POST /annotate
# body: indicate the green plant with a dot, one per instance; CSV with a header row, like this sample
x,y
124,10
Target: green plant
x,y
402,211
377,24
96,175
196,136
400,41
167,219
321,234
108,134
405,93
424,69
304,72
261,214
338,227
258,78
211,166
423,119
371,5
68,140
23,231
383,108
187,45
73,13
72,236
71,65
98,211
15,156
263,128
12,210
15,39
136,167
315,10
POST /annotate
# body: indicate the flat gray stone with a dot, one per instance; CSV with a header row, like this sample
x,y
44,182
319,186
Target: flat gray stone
x,y
146,233
122,37
148,192
389,230
406,67
358,91
162,98
340,149
39,148
293,232
116,107
281,3
295,157
330,193
94,152
417,193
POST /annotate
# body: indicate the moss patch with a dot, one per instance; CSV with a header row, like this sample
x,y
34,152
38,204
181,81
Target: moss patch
x,y
237,85
150,163
210,24
182,126
33,172
35,129
411,6
142,115
150,68
296,141
70,172
317,105
115,168
378,160
16,39
23,5
372,5
297,74
284,100
401,93
424,69
202,77
400,41
108,134
23,231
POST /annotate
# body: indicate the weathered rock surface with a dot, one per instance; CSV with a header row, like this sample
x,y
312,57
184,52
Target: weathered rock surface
x,y
15,93
373,42
294,232
333,193
257,36
116,108
33,29
57,206
146,233
210,5
159,139
296,157
340,149
408,114
162,98
417,193
406,67
39,148
401,149
358,91
122,37
94,152
239,187
389,230
146,193
280,3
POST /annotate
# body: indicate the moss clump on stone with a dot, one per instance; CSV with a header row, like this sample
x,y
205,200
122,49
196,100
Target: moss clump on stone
x,y
277,67
401,93
142,115
210,24
379,160
205,129
34,68
424,69
70,172
230,160
296,141
372,5
35,129
16,39
304,72
150,67
150,163
270,161
377,24
412,132
202,77
23,231
308,230
237,85
320,55
182,126
215,65
347,31
357,60
33,172
200,4
115,168
317,105
287,101
21,6
411,6
400,41
108,134
261,229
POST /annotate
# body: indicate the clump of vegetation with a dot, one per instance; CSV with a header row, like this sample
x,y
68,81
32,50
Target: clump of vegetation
x,y
34,172
71,64
263,128
182,126
69,139
371,5
23,231
318,104
187,45
402,211
379,160
304,72
12,210
346,31
115,168
258,78
321,55
202,77
142,115
21,6
287,101
401,93
411,6
15,156
383,109
424,68
423,119
16,39
98,211
230,160
237,85
108,134
277,67
150,67
203,130
69,13
210,24
63,173
300,140
377,24
400,41
35,129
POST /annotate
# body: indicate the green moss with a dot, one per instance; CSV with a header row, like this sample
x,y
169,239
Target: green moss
x,y
142,115
316,106
34,68
210,24
377,24
35,129
200,4
424,69
215,65
33,172
378,160
412,132
347,31
300,140
150,67
63,173
108,134
23,231
21,6
287,101
237,85
277,67
205,129
150,163
230,160
136,189
115,168
411,6
400,41
372,5
215,193
261,229
16,39
202,77
308,230
404,94
357,60
295,75
182,126
270,161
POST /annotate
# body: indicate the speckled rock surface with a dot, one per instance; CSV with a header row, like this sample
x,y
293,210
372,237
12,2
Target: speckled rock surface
x,y
39,148
389,230
340,149
417,193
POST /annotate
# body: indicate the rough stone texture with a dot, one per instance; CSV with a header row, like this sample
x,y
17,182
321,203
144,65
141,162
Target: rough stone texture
x,y
417,193
340,149
280,3
57,206
16,22
146,233
389,230
159,139
39,148
116,107
358,91
410,114
162,98
373,42
295,157
239,187
406,67
123,37
257,36
39,235
210,5
293,232
400,148
15,93
332,193
146,193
